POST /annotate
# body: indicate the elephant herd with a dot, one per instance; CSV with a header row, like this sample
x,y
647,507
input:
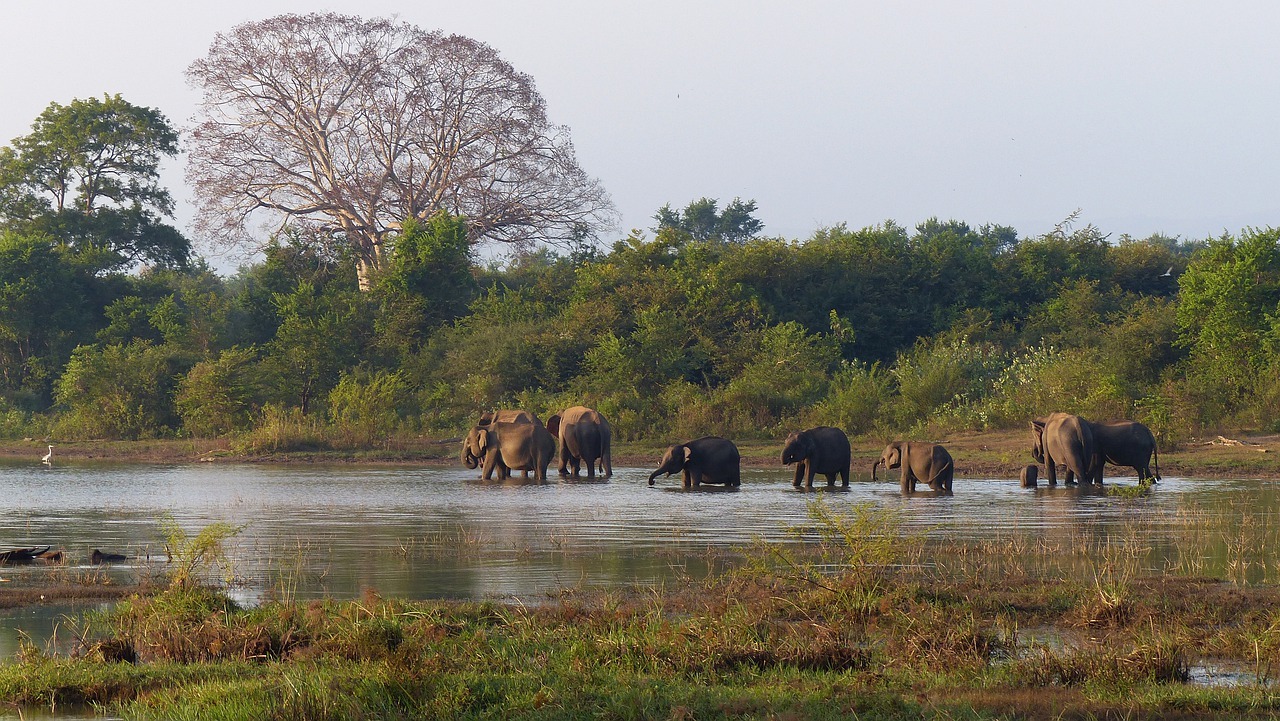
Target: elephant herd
x,y
508,440
1084,447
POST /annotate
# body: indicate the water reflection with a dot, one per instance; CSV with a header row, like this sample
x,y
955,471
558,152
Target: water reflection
x,y
430,532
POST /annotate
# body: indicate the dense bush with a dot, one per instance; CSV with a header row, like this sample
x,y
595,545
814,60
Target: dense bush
x,y
876,330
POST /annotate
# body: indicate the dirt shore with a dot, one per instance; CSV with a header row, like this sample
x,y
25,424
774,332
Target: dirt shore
x,y
995,454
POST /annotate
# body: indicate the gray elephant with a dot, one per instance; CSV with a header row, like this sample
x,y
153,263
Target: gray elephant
x,y
472,455
822,450
515,446
920,462
583,436
709,459
1124,443
1064,439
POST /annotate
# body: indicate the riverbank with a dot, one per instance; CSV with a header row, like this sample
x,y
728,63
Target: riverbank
x,y
993,454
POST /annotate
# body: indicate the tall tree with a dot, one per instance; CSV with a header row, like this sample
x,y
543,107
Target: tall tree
x,y
88,174
703,220
350,126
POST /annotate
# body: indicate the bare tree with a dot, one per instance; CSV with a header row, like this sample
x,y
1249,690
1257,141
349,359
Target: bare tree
x,y
350,126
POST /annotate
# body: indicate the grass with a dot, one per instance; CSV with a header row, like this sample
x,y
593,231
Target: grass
x,y
862,619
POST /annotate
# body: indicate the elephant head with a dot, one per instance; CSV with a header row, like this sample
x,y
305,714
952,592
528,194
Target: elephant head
x,y
798,447
673,461
1037,440
890,458
469,457
474,445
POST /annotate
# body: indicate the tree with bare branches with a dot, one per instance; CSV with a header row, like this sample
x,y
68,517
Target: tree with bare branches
x,y
347,127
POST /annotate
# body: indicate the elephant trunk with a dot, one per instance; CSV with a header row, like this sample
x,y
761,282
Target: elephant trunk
x,y
873,469
469,460
653,476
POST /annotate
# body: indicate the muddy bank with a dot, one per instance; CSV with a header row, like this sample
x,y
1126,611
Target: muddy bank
x,y
995,454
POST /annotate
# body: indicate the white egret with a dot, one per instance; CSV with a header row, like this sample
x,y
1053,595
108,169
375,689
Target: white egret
x,y
48,457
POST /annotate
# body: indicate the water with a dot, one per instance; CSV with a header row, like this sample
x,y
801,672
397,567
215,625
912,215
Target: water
x,y
311,531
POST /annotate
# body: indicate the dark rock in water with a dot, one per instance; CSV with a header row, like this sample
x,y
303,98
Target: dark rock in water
x,y
98,557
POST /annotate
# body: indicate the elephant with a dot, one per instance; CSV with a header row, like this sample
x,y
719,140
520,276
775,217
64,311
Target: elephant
x,y
583,436
709,459
515,446
920,462
472,457
1124,443
822,450
1061,438
1028,476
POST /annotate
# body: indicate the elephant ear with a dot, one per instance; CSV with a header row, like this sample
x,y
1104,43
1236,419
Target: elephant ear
x,y
1037,427
482,440
485,418
553,425
688,454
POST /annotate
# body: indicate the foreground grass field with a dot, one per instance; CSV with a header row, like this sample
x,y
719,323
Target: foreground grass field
x,y
857,621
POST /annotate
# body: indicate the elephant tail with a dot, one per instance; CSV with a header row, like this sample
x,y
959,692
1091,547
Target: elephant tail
x,y
1155,451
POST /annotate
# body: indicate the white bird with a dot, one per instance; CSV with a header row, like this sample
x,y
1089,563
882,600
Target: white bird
x,y
1168,273
47,457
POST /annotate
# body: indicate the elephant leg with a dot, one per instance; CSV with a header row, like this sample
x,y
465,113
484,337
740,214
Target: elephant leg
x,y
809,474
696,475
908,484
735,480
564,457
831,479
688,479
799,474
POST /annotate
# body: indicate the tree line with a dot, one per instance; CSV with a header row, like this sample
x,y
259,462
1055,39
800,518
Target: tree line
x,y
879,329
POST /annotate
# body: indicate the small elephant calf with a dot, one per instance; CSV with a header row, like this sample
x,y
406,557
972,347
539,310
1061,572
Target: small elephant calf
x,y
1028,476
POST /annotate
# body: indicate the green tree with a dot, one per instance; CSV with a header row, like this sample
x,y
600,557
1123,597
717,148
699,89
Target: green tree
x,y
119,391
703,220
88,174
44,307
1229,316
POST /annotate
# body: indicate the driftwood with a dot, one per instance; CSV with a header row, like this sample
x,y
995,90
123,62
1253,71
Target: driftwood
x,y
24,555
1224,441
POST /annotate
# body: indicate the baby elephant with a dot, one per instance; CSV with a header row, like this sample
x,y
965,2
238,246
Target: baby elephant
x,y
920,462
822,450
709,459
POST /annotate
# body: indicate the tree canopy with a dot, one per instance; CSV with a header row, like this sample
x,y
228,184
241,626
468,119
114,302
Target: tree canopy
x,y
347,127
88,175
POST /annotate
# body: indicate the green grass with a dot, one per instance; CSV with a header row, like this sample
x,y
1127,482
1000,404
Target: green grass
x,y
863,620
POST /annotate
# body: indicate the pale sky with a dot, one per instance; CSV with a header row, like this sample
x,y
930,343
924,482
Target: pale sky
x,y
1148,116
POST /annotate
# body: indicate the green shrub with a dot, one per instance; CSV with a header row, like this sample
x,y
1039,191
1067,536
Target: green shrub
x,y
365,407
118,391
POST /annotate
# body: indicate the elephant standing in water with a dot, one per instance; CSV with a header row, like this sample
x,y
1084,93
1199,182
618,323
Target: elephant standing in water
x,y
472,454
583,436
515,446
920,462
822,450
709,459
1064,439
1124,443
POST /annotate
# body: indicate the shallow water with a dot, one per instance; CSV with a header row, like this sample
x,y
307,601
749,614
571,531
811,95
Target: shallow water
x,y
312,531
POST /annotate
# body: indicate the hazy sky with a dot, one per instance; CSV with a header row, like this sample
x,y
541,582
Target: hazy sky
x,y
1148,116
